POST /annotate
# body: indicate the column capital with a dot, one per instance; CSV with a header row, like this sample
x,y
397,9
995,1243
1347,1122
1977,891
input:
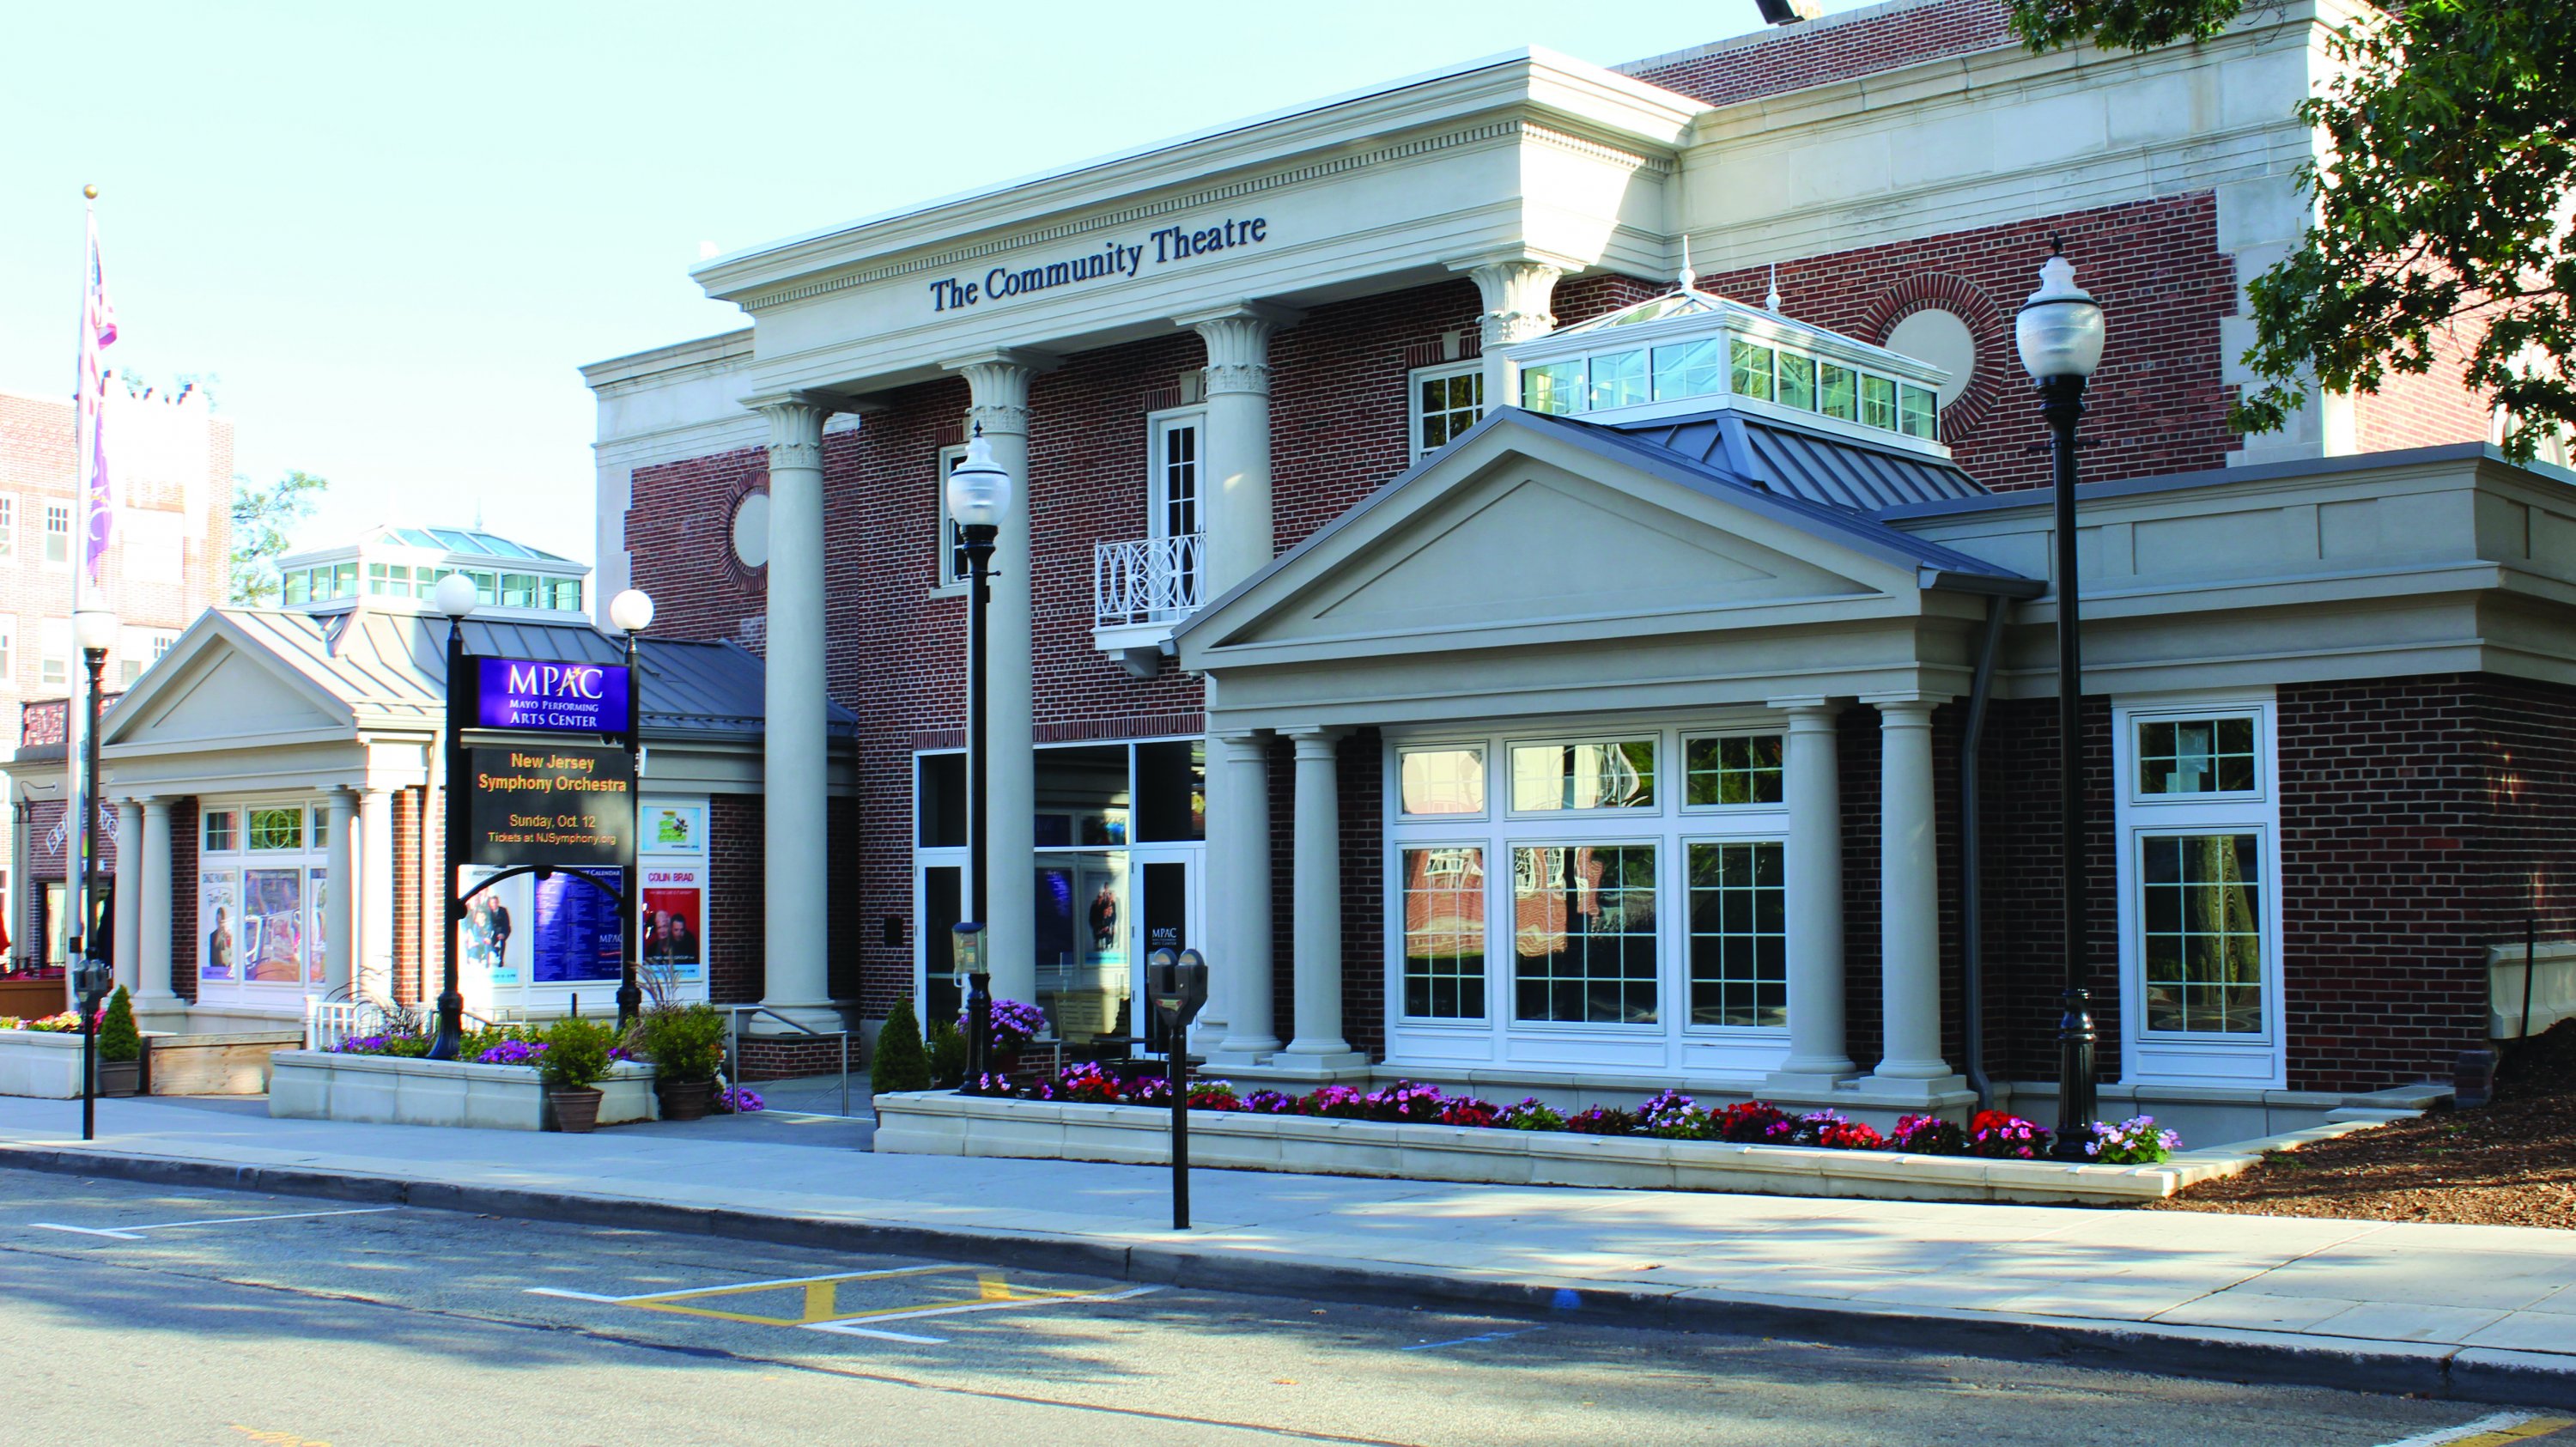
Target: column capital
x,y
1904,709
997,384
1244,741
1808,706
1238,344
795,425
1518,289
1315,741
154,806
340,798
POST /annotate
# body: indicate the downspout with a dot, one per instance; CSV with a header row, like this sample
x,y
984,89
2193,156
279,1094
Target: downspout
x,y
1972,991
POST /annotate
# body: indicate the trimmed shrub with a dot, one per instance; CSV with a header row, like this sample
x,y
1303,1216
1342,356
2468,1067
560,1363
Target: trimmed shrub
x,y
576,1053
947,1052
899,1063
117,1037
684,1042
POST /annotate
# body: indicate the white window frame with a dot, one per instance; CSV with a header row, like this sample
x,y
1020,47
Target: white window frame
x,y
8,524
70,534
49,661
8,650
2250,1061
1680,770
948,579
1661,1051
312,856
1159,425
1413,381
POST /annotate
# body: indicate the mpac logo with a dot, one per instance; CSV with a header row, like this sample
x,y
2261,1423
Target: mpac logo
x,y
554,680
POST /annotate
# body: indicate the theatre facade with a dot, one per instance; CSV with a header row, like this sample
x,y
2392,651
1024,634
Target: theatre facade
x,y
1542,572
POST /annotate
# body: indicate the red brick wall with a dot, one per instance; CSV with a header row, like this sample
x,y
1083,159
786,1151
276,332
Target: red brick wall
x,y
184,940
2425,409
734,899
407,806
2156,405
679,529
1793,57
2024,898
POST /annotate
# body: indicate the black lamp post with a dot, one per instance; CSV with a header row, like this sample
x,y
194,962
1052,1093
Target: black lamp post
x,y
455,597
979,496
94,630
2059,333
630,613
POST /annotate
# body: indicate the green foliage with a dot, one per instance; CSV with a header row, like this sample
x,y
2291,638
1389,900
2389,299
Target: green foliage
x,y
261,518
899,1064
2445,175
117,1037
684,1042
576,1053
947,1055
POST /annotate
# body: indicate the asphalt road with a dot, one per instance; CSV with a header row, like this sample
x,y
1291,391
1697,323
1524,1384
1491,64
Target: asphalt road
x,y
232,1317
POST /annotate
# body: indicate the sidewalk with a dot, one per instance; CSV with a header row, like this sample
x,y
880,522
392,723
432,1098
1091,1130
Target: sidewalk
x,y
2486,1312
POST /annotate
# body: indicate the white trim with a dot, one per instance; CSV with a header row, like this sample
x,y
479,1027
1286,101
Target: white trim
x,y
946,578
2258,1060
1413,381
1159,425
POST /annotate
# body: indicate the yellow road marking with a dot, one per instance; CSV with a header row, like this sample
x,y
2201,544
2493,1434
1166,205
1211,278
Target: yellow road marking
x,y
2519,1432
820,1299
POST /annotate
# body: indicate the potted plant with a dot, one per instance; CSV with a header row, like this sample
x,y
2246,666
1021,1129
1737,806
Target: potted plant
x,y
686,1045
576,1058
120,1048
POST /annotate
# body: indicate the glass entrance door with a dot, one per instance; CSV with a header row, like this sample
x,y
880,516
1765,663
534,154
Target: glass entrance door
x,y
1164,883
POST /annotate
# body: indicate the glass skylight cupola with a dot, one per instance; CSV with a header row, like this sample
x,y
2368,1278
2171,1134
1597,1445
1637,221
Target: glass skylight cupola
x,y
1689,352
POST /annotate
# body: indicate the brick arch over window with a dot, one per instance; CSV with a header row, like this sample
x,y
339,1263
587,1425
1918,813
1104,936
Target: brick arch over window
x,y
1988,323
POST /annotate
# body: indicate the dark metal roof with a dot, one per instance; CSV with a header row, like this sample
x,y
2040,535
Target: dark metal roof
x,y
1804,462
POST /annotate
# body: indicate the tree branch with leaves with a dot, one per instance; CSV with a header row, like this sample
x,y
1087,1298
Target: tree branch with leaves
x,y
262,517
2444,190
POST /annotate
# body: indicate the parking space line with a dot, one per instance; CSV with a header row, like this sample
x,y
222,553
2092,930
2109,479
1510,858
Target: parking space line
x,y
818,1308
1433,1346
2493,1431
132,1233
911,1313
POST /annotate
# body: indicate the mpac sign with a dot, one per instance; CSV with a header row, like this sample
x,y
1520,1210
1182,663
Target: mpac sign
x,y
552,696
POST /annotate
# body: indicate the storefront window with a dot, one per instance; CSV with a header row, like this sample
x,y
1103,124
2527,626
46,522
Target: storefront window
x,y
1171,790
1551,777
1442,781
1444,933
1739,943
1583,925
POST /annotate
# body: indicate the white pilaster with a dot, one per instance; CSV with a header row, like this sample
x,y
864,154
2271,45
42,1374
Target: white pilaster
x,y
129,888
998,387
796,979
1812,786
1517,292
1240,536
1238,891
1319,1045
339,893
152,906
375,927
1909,912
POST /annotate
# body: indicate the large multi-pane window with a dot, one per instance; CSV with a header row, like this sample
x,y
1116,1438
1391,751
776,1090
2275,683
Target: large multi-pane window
x,y
1444,932
1723,366
1446,401
2199,899
58,532
1742,770
1609,774
1584,934
2196,756
1174,470
1739,937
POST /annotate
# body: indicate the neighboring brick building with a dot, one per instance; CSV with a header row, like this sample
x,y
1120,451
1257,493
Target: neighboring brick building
x,y
1276,549
171,462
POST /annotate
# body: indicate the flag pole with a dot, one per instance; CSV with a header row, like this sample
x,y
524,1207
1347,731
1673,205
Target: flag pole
x,y
98,329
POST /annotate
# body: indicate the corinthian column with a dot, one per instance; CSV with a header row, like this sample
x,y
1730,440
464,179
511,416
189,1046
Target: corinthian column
x,y
998,388
1238,517
1518,292
796,975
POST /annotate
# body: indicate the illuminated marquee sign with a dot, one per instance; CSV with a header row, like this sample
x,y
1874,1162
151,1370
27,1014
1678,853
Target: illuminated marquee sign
x,y
552,696
1110,258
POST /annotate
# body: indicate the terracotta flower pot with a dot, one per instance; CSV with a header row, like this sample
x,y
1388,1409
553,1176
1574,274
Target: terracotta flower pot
x,y
686,1099
576,1111
120,1077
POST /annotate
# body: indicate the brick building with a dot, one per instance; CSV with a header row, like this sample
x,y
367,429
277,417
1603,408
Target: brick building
x,y
1691,719
171,462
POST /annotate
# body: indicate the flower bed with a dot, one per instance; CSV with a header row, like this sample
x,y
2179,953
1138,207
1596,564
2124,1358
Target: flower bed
x,y
388,1087
1666,1115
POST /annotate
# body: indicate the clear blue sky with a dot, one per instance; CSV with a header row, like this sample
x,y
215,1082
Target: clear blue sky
x,y
393,233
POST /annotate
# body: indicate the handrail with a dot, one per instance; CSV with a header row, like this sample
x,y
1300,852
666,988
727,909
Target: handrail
x,y
733,1042
1147,580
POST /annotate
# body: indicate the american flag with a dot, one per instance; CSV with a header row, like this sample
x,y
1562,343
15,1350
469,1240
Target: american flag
x,y
98,331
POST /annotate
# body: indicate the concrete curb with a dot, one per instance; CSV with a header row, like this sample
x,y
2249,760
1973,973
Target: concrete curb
x,y
2278,1358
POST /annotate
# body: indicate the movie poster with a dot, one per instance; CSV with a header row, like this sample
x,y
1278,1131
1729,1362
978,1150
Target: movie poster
x,y
491,934
316,968
577,936
219,910
674,923
273,925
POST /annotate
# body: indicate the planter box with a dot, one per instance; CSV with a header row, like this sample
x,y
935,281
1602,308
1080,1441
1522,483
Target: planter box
x,y
34,999
40,1063
938,1123
215,1064
390,1090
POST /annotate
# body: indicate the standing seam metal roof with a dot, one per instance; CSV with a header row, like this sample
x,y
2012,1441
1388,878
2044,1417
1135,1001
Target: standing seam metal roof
x,y
1821,467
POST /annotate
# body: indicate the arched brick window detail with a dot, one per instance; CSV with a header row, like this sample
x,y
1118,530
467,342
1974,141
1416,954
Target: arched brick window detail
x,y
1990,324
745,576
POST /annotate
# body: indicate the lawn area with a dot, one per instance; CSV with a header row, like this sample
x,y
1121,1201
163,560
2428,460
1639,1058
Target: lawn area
x,y
2508,1163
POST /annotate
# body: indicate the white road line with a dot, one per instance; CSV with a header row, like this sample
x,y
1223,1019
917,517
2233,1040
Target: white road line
x,y
839,1329
2497,1423
802,1280
574,1295
1433,1346
127,1233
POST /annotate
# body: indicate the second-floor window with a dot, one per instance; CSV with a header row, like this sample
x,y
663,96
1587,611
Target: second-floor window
x,y
1446,401
58,532
8,527
1173,471
9,651
952,541
54,663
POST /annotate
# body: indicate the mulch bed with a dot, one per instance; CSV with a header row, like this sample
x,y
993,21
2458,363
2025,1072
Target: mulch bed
x,y
2509,1163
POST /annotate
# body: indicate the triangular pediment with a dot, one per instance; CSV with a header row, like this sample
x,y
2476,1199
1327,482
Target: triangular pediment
x,y
218,686
1512,532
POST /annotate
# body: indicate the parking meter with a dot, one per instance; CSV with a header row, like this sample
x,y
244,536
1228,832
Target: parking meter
x,y
1176,986
91,980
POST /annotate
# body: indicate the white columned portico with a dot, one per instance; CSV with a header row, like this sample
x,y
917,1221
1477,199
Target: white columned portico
x,y
1812,787
152,906
129,888
1318,1046
1238,886
1909,906
1518,292
374,969
1240,537
796,978
998,408
339,890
